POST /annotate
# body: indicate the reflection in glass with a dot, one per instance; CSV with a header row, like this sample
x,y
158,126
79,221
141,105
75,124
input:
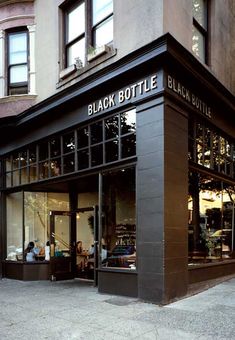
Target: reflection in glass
x,y
18,74
211,218
15,161
82,137
128,122
83,159
55,147
111,127
76,50
198,44
103,34
200,12
23,158
14,203
69,164
8,164
119,224
76,22
18,48
101,9
96,132
111,151
8,179
96,155
128,147
68,142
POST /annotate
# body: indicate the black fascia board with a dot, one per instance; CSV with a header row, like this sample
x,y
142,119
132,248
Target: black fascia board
x,y
165,49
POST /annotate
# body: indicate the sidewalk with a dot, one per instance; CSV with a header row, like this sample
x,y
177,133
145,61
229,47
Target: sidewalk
x,y
75,310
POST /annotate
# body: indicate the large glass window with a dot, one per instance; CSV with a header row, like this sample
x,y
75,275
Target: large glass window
x,y
209,148
200,29
18,62
28,214
211,218
88,24
14,204
102,142
119,219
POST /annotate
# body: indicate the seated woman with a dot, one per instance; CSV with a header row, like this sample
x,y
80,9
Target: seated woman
x,y
30,252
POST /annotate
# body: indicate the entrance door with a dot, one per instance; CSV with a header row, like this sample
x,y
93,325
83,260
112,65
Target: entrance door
x,y
61,254
86,243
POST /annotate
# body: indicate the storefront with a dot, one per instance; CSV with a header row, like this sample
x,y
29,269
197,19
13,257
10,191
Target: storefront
x,y
128,176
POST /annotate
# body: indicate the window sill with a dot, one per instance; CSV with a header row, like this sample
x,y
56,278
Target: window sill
x,y
71,73
17,97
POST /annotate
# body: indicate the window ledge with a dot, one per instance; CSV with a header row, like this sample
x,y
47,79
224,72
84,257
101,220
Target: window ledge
x,y
72,72
17,97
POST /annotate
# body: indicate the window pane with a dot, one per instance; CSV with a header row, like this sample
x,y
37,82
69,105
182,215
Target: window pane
x,y
101,9
43,170
68,142
43,151
119,224
83,159
32,155
8,164
103,34
75,51
200,12
82,136
55,147
96,155
15,161
33,173
128,122
111,151
198,44
56,167
16,178
128,146
111,127
76,22
69,164
24,176
36,221
17,48
96,132
8,179
18,74
23,158
14,226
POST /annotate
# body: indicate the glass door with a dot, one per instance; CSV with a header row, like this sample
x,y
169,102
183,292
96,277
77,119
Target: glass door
x,y
86,243
61,250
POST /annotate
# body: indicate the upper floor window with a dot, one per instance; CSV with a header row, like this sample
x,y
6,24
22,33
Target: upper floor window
x,y
200,29
17,62
88,24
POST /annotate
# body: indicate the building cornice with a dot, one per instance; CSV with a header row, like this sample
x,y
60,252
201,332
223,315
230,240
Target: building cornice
x,y
17,17
10,2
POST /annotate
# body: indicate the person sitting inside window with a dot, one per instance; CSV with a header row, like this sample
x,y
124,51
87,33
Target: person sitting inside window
x,y
30,252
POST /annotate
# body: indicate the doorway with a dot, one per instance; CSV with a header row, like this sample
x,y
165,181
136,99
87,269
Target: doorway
x,y
86,243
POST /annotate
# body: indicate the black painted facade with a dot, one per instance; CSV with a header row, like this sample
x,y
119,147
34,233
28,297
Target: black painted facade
x,y
161,157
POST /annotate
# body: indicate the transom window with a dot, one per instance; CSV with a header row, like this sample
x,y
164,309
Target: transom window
x,y
211,149
17,62
102,142
88,25
200,29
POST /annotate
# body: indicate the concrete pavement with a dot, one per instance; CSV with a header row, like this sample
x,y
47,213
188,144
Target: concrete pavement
x,y
69,310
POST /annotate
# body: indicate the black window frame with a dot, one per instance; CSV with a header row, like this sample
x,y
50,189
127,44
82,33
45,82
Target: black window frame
x,y
204,32
19,87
